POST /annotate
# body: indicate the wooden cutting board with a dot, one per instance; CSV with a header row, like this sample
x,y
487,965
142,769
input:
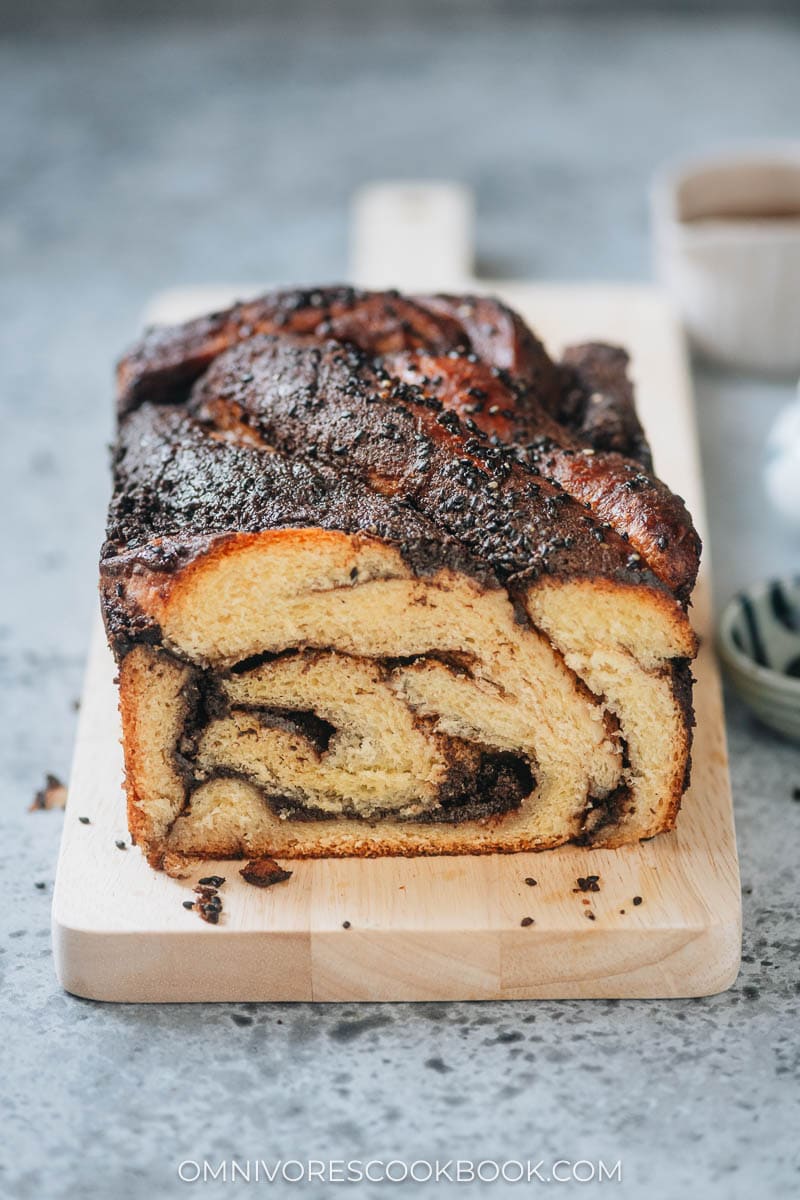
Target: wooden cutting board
x,y
434,928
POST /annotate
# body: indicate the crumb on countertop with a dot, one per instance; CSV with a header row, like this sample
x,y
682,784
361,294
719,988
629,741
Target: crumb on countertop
x,y
52,795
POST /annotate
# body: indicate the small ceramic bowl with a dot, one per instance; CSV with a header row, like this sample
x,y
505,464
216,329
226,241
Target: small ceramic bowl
x,y
759,643
727,248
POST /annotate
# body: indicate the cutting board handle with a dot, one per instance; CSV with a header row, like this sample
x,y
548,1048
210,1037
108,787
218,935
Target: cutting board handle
x,y
414,236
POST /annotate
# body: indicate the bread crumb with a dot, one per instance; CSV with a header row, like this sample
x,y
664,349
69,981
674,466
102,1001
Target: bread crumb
x,y
52,795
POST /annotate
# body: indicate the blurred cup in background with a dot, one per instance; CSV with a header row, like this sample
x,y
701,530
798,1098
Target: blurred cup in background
x,y
726,235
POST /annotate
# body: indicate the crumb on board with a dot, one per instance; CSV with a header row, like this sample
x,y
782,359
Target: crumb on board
x,y
208,904
264,872
209,910
205,893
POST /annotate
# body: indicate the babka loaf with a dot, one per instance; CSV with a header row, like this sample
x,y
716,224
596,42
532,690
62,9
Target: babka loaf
x,y
381,577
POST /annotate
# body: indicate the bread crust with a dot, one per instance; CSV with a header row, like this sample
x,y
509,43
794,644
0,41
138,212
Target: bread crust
x,y
425,451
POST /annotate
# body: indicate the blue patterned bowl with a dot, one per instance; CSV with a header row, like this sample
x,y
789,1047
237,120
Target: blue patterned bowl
x,y
759,642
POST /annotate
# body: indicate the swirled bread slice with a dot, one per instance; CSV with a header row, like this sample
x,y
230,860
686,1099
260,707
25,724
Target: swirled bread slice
x,y
383,579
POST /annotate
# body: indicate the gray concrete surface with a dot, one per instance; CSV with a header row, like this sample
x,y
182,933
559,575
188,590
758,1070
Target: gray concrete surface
x,y
144,154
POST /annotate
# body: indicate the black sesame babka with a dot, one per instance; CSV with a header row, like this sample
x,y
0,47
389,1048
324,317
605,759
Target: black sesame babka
x,y
383,578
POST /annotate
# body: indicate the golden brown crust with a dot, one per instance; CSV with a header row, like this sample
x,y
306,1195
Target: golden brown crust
x,y
141,733
480,360
614,488
164,364
597,400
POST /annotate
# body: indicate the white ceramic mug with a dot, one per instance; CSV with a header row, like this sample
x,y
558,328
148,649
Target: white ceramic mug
x,y
727,248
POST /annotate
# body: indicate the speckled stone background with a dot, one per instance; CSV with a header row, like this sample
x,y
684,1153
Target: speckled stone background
x,y
139,151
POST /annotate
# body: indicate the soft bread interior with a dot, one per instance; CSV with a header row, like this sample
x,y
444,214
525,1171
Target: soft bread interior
x,y
623,648
378,757
354,609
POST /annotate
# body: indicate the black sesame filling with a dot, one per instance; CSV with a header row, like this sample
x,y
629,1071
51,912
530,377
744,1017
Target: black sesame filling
x,y
482,781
